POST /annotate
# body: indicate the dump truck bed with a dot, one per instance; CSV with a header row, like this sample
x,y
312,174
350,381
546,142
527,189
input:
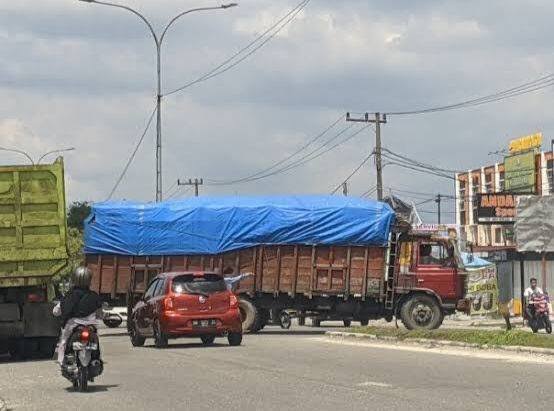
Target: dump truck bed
x,y
33,233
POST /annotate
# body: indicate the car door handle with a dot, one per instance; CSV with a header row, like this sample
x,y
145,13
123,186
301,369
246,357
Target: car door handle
x,y
420,280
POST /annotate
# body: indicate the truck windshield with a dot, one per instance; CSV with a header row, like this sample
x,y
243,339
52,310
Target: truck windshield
x,y
206,284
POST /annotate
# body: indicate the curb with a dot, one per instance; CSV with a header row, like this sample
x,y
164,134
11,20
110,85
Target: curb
x,y
337,335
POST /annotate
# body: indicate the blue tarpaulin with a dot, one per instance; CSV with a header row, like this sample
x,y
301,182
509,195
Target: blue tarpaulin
x,y
214,225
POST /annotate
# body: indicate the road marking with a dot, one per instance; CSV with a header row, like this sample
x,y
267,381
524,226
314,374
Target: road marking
x,y
474,353
374,384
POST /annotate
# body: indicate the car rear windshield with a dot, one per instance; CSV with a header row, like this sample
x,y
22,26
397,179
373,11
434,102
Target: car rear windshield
x,y
207,284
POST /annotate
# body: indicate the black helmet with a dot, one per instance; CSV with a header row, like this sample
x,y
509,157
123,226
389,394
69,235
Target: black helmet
x,y
81,277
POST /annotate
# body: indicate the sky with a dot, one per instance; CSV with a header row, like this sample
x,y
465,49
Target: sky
x,y
75,74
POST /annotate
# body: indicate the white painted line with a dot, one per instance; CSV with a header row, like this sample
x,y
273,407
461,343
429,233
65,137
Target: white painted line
x,y
374,384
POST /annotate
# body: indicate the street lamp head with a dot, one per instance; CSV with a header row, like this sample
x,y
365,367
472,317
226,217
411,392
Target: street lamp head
x,y
223,6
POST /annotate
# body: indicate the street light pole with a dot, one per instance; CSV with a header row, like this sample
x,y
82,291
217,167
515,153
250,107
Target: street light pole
x,y
159,94
63,150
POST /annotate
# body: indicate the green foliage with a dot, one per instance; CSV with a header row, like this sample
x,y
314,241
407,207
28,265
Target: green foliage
x,y
75,249
77,213
480,337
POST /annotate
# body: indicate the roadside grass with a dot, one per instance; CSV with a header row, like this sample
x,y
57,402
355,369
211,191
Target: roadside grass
x,y
480,337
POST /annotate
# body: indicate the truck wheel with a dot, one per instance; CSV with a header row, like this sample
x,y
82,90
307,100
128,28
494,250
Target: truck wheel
x,y
248,314
285,320
421,312
260,321
364,322
347,323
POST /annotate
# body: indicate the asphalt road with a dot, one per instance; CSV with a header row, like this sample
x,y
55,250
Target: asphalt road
x,y
295,370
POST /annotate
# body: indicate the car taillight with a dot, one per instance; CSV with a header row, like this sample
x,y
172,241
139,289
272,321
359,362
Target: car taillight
x,y
233,301
168,304
85,336
35,297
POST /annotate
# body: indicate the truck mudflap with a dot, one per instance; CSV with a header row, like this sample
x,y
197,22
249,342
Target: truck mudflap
x,y
39,320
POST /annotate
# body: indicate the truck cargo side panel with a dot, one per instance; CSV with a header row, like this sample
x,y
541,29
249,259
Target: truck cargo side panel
x,y
291,270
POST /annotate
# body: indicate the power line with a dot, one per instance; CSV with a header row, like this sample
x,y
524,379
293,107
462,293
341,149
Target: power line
x,y
353,173
133,154
265,170
369,192
303,160
419,163
221,68
420,170
529,87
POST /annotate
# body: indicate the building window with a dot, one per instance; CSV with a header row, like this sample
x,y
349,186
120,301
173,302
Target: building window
x,y
550,174
462,207
498,236
475,185
501,182
489,183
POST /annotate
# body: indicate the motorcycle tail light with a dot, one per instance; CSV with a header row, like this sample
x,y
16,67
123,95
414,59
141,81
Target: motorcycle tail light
x,y
85,336
233,301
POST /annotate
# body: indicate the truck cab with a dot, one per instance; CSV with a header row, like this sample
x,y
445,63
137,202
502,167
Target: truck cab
x,y
430,280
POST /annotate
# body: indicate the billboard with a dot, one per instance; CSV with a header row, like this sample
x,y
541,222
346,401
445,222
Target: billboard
x,y
482,290
496,208
526,143
519,173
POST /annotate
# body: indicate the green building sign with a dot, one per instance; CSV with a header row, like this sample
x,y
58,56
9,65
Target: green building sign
x,y
519,173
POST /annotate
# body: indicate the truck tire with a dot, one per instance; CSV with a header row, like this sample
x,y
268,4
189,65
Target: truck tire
x,y
248,313
364,322
421,312
261,320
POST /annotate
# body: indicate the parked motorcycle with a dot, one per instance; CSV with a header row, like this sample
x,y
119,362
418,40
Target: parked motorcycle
x,y
540,315
82,361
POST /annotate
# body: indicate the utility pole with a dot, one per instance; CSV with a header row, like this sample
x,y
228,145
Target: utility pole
x,y
438,201
345,188
377,120
196,182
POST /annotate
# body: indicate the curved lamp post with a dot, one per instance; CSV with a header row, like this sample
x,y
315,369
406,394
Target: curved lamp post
x,y
159,40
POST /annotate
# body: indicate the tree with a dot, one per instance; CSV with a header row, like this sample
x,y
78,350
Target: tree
x,y
78,212
75,251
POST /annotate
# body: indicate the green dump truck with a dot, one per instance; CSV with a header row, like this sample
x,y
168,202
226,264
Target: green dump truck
x,y
33,249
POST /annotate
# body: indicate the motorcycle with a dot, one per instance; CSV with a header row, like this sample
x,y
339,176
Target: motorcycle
x,y
539,314
82,363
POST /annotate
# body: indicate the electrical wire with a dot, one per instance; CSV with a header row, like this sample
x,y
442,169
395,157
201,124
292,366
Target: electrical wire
x,y
228,64
529,87
369,192
419,169
265,170
353,172
419,163
305,159
133,155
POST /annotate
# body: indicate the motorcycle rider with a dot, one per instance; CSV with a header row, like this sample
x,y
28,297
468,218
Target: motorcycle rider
x,y
530,292
78,307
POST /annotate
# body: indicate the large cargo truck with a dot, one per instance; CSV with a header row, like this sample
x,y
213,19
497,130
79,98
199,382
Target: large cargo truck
x,y
33,248
359,265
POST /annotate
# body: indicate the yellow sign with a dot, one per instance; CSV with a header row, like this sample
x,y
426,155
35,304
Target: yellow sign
x,y
526,143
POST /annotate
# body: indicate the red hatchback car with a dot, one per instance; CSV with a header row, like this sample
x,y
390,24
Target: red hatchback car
x,y
186,304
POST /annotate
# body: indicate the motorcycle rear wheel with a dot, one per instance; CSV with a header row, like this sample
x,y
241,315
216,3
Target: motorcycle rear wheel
x,y
83,379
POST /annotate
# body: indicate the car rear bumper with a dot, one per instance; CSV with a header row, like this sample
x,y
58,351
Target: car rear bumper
x,y
178,324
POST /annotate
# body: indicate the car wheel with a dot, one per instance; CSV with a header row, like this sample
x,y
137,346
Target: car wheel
x,y
160,338
234,339
207,339
137,340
